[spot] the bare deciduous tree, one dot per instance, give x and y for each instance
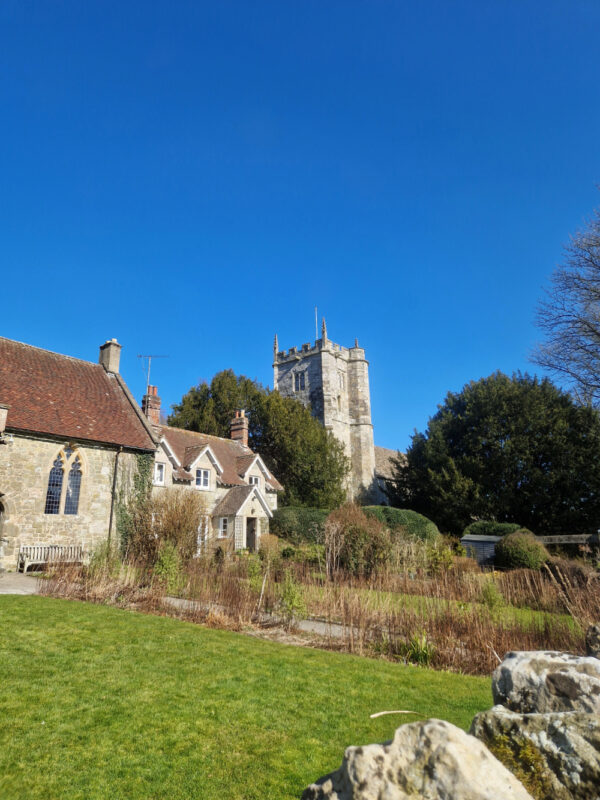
(569, 315)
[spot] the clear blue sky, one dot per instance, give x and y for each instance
(192, 177)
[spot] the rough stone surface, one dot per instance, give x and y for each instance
(335, 386)
(592, 641)
(560, 751)
(432, 760)
(547, 681)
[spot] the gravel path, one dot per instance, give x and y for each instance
(17, 583)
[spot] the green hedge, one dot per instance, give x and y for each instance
(489, 527)
(298, 524)
(413, 523)
(520, 549)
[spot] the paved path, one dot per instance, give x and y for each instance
(17, 583)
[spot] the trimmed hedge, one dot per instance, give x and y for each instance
(299, 524)
(413, 523)
(520, 549)
(489, 527)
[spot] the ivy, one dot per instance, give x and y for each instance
(133, 495)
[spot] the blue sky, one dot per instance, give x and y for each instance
(193, 177)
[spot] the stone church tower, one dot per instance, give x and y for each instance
(333, 381)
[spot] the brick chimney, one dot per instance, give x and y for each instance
(151, 405)
(110, 355)
(239, 428)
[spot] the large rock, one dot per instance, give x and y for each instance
(556, 755)
(592, 641)
(430, 760)
(547, 681)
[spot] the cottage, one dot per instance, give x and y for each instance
(70, 438)
(239, 490)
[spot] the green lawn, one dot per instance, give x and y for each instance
(377, 600)
(101, 703)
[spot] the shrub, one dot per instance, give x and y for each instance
(414, 524)
(489, 527)
(175, 515)
(521, 549)
(355, 542)
(491, 596)
(167, 567)
(298, 524)
(292, 600)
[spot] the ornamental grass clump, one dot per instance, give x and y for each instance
(521, 549)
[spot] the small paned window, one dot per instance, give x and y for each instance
(159, 474)
(55, 482)
(223, 527)
(254, 480)
(299, 381)
(73, 487)
(202, 479)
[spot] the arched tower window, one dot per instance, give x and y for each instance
(55, 482)
(63, 496)
(73, 487)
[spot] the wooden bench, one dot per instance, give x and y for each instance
(40, 554)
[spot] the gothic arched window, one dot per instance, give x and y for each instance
(55, 482)
(73, 487)
(63, 496)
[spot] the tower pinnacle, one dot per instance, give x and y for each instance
(323, 330)
(275, 346)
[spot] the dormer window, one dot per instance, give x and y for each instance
(203, 479)
(254, 480)
(159, 474)
(299, 381)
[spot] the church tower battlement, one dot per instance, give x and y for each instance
(333, 381)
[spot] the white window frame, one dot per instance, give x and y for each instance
(254, 480)
(159, 467)
(203, 474)
(223, 527)
(202, 535)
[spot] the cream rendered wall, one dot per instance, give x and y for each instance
(24, 469)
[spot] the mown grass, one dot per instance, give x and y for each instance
(97, 702)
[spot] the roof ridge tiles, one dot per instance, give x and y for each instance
(52, 352)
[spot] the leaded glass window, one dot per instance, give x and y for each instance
(55, 481)
(73, 487)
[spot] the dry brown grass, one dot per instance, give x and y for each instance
(446, 626)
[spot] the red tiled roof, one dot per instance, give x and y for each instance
(231, 454)
(62, 396)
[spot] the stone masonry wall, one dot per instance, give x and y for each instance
(24, 469)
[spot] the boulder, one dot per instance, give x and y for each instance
(556, 755)
(592, 641)
(430, 760)
(547, 681)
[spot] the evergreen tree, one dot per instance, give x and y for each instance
(306, 458)
(508, 449)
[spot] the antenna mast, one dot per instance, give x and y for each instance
(149, 357)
